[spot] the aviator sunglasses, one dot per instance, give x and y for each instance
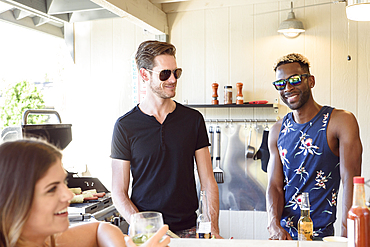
(166, 73)
(293, 80)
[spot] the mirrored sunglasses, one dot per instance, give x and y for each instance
(166, 73)
(293, 80)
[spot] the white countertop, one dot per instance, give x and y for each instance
(186, 242)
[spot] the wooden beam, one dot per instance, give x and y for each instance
(193, 5)
(141, 12)
(168, 1)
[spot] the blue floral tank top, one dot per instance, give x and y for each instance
(309, 166)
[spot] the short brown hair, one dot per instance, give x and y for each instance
(22, 164)
(148, 50)
(293, 58)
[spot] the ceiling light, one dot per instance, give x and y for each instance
(291, 27)
(358, 10)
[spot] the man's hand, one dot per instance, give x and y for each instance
(278, 233)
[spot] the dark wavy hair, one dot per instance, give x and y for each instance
(22, 164)
(148, 50)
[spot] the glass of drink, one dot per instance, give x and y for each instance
(144, 225)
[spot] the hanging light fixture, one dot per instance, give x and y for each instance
(358, 10)
(291, 27)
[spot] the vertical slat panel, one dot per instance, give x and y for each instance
(124, 50)
(241, 50)
(266, 42)
(217, 50)
(242, 224)
(260, 225)
(193, 50)
(363, 70)
(342, 73)
(176, 26)
(317, 50)
(224, 223)
(73, 98)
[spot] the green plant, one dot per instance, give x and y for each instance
(17, 99)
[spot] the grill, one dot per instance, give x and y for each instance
(60, 135)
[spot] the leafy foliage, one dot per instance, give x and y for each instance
(17, 99)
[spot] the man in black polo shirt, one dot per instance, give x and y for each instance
(158, 140)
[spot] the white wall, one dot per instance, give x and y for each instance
(228, 44)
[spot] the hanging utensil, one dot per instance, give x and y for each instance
(250, 150)
(266, 126)
(211, 133)
(217, 171)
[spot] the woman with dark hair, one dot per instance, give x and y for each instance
(35, 199)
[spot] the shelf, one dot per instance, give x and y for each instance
(229, 105)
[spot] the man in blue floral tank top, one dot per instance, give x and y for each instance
(312, 149)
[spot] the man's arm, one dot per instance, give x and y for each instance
(120, 185)
(208, 183)
(350, 157)
(275, 188)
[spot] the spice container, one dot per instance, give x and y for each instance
(228, 95)
(239, 96)
(214, 95)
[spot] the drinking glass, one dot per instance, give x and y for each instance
(144, 225)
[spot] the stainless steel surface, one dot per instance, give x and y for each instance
(103, 212)
(91, 207)
(79, 217)
(245, 183)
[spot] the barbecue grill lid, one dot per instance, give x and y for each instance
(59, 135)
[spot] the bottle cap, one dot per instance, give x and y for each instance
(358, 180)
(228, 86)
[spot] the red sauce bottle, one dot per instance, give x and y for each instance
(358, 219)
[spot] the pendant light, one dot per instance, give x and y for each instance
(291, 27)
(358, 10)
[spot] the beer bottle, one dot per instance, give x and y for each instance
(203, 220)
(305, 224)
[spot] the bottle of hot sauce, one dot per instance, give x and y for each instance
(358, 219)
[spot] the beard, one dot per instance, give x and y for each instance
(304, 96)
(161, 92)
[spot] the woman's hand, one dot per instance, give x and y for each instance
(155, 241)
